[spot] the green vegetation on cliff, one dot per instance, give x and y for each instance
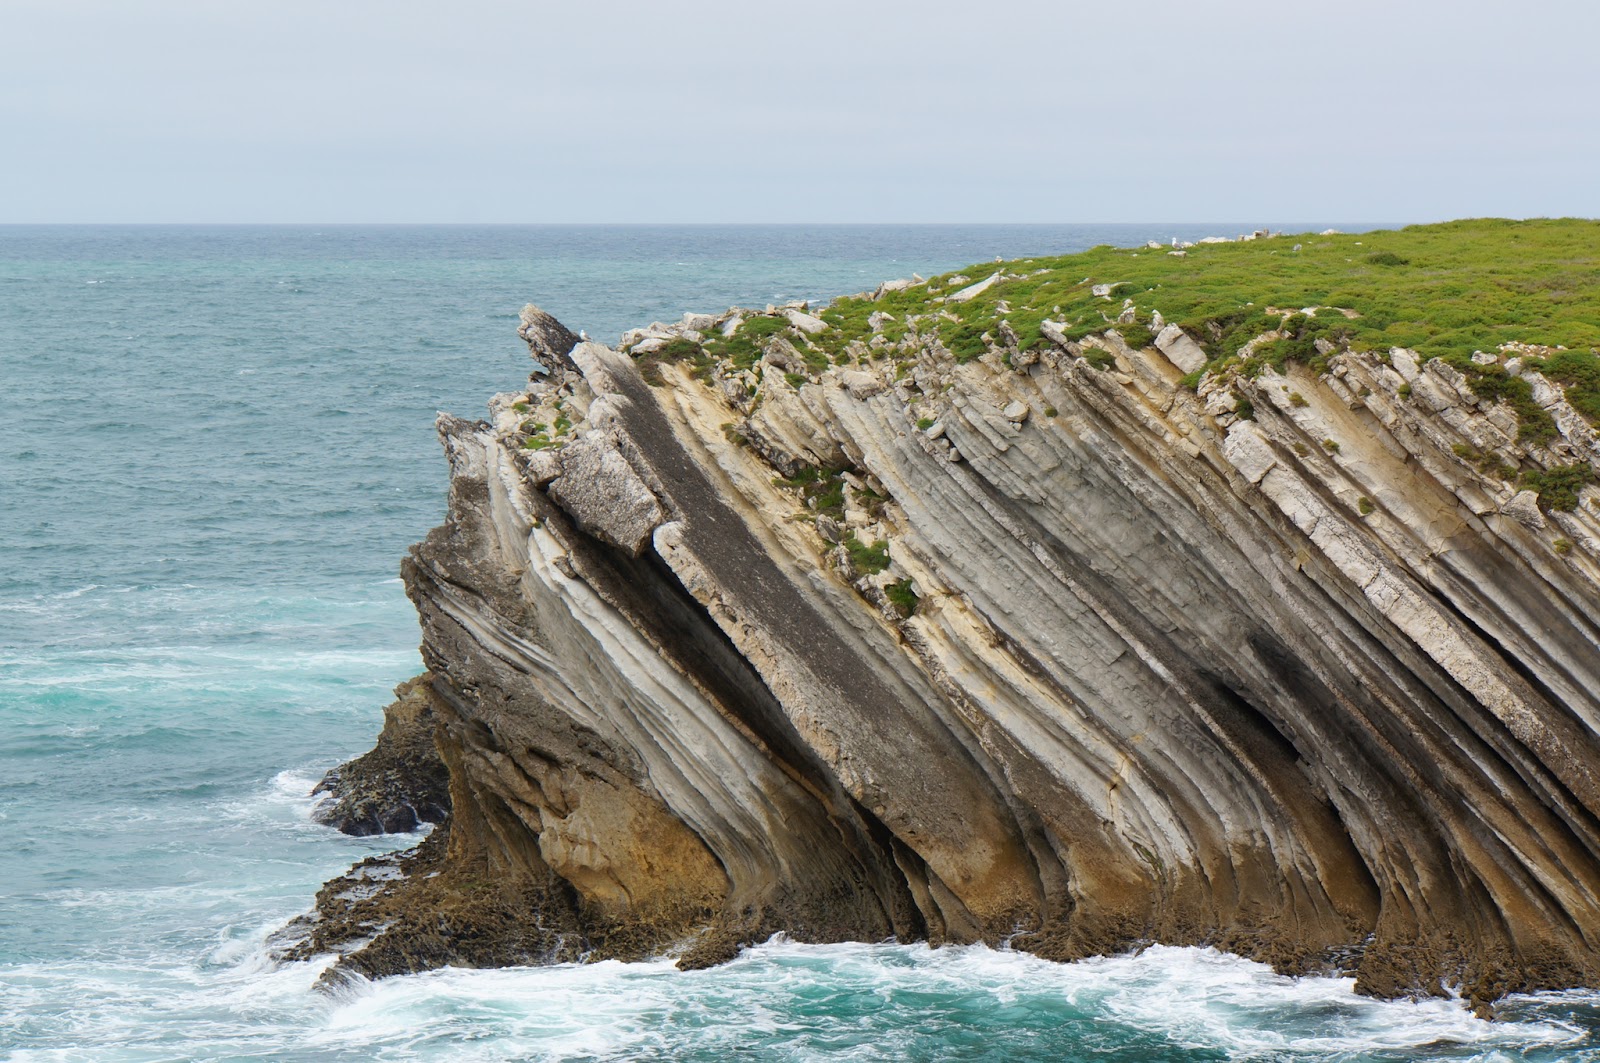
(1446, 291)
(1442, 290)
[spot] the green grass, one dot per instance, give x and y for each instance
(748, 343)
(1581, 375)
(902, 597)
(871, 559)
(821, 489)
(1136, 335)
(1444, 291)
(674, 351)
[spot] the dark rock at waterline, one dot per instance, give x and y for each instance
(397, 786)
(427, 912)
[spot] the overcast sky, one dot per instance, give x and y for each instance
(711, 111)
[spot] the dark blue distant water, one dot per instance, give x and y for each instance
(215, 445)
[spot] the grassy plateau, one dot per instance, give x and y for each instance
(1445, 291)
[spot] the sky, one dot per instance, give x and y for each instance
(326, 111)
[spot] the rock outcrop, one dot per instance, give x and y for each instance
(398, 786)
(1048, 650)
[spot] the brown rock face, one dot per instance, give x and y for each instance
(1096, 662)
(399, 785)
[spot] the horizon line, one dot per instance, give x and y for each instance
(726, 224)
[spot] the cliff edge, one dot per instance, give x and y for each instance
(969, 610)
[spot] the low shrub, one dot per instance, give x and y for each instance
(868, 559)
(902, 597)
(1559, 487)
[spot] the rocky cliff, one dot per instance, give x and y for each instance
(1050, 646)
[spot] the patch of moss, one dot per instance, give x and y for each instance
(1099, 357)
(822, 489)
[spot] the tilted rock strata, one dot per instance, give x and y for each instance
(1127, 666)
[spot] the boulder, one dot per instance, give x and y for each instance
(861, 385)
(599, 489)
(972, 291)
(1181, 349)
(1052, 331)
(541, 466)
(803, 321)
(1524, 509)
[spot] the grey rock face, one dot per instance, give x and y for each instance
(1310, 686)
(548, 339)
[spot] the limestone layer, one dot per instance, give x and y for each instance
(1030, 649)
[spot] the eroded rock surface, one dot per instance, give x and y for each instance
(1311, 686)
(398, 786)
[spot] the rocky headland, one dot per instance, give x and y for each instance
(1058, 604)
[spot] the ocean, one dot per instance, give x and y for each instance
(215, 445)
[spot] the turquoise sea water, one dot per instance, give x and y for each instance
(215, 445)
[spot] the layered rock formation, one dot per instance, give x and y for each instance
(1041, 648)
